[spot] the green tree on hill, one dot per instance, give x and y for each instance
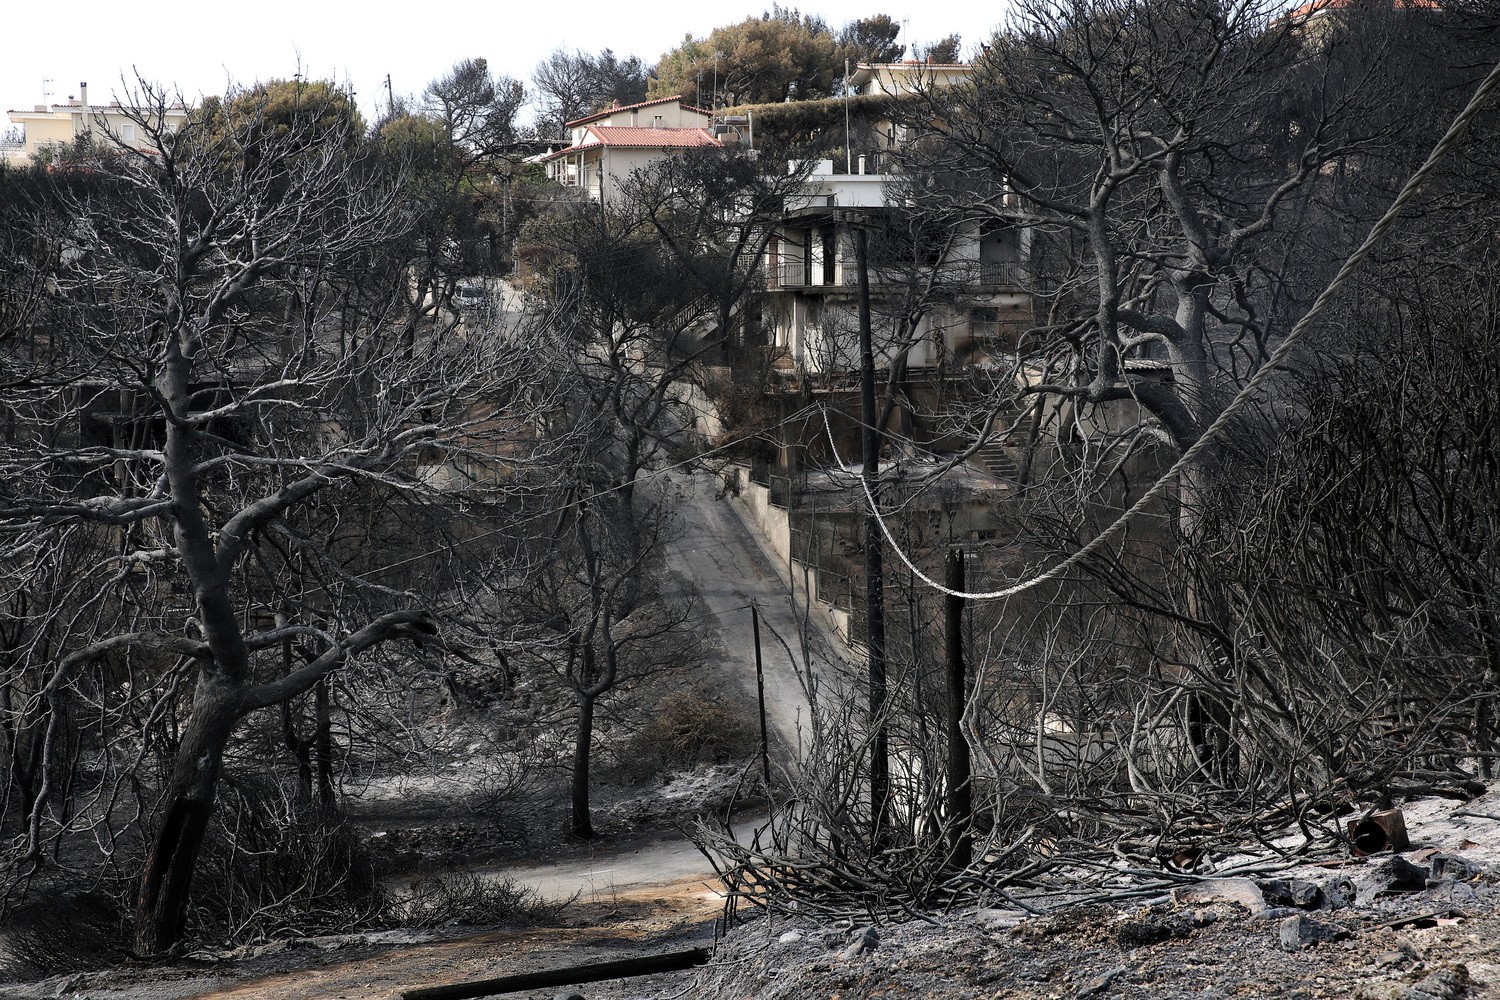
(781, 55)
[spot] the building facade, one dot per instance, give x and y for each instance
(610, 145)
(49, 128)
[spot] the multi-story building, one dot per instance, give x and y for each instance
(967, 287)
(946, 295)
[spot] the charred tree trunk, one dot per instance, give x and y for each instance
(960, 806)
(161, 904)
(300, 749)
(323, 740)
(583, 824)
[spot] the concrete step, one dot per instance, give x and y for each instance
(996, 460)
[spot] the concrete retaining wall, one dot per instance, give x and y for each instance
(775, 527)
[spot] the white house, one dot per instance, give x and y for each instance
(59, 125)
(608, 146)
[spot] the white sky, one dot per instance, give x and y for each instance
(199, 46)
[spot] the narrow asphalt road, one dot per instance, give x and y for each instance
(731, 567)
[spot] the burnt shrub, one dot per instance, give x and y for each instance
(688, 728)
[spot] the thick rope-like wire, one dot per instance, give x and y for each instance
(1377, 232)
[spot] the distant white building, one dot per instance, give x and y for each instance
(58, 125)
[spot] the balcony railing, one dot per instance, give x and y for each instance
(995, 274)
(793, 274)
(985, 274)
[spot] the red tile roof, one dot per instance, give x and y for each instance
(630, 107)
(628, 136)
(1319, 6)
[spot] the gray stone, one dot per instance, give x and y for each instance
(1100, 983)
(1445, 865)
(1298, 931)
(1224, 890)
(1291, 933)
(1294, 892)
(867, 941)
(1389, 876)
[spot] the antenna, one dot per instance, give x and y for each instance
(46, 90)
(848, 152)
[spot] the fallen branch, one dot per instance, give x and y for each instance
(649, 965)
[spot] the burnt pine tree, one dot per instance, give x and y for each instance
(220, 347)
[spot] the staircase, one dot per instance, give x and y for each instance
(994, 459)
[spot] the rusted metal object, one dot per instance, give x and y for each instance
(1382, 830)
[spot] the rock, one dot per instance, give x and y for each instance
(1294, 892)
(1291, 933)
(790, 937)
(998, 920)
(1242, 891)
(569, 995)
(1444, 866)
(1100, 983)
(1390, 875)
(1298, 931)
(867, 941)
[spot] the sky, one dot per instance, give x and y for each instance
(198, 47)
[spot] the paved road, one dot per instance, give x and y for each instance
(622, 868)
(731, 567)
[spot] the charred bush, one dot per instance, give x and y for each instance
(54, 933)
(688, 729)
(467, 898)
(271, 867)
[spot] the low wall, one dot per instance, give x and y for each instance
(775, 527)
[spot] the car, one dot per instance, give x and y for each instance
(469, 294)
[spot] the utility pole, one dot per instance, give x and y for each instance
(880, 764)
(760, 690)
(960, 806)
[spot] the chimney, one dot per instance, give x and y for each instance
(83, 93)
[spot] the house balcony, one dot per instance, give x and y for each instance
(975, 275)
(1009, 275)
(794, 275)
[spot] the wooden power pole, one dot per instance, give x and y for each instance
(960, 806)
(880, 765)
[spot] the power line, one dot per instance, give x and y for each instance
(1241, 398)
